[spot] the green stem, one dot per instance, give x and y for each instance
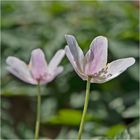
(85, 109)
(38, 113)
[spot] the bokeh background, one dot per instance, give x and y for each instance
(113, 106)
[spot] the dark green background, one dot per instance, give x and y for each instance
(113, 106)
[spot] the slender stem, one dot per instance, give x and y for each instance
(38, 113)
(85, 109)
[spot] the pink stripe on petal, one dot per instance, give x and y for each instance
(75, 66)
(52, 75)
(38, 64)
(76, 51)
(96, 57)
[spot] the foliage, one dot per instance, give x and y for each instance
(113, 106)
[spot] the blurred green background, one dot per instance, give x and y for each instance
(113, 106)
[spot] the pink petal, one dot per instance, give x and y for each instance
(96, 57)
(55, 61)
(53, 68)
(19, 69)
(76, 51)
(50, 76)
(74, 64)
(38, 64)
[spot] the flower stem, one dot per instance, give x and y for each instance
(85, 108)
(38, 113)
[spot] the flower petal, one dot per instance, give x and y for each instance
(55, 61)
(38, 64)
(19, 69)
(59, 70)
(75, 50)
(96, 57)
(74, 64)
(50, 76)
(97, 80)
(116, 67)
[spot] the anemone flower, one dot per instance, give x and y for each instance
(93, 66)
(38, 72)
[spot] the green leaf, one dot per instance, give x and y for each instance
(68, 117)
(116, 129)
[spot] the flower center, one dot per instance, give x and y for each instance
(102, 74)
(41, 77)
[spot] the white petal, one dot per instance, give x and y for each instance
(96, 57)
(72, 61)
(19, 69)
(55, 61)
(59, 70)
(99, 81)
(75, 50)
(116, 67)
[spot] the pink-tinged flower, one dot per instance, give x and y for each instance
(94, 63)
(38, 71)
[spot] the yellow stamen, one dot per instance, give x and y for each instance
(29, 66)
